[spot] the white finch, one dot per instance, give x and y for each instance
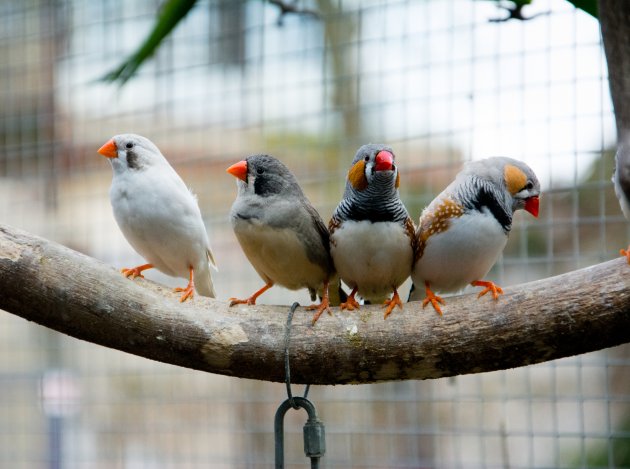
(158, 214)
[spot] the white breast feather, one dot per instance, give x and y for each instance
(161, 220)
(376, 257)
(465, 252)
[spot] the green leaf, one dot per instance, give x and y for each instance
(516, 3)
(173, 11)
(589, 6)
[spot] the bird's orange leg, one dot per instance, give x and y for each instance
(136, 271)
(252, 299)
(189, 291)
(489, 287)
(626, 253)
(392, 303)
(432, 298)
(351, 304)
(323, 306)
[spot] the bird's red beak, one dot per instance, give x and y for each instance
(239, 170)
(532, 204)
(109, 149)
(384, 161)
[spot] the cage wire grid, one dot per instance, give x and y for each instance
(434, 79)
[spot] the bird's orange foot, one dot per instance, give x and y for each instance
(247, 301)
(188, 292)
(392, 303)
(320, 308)
(626, 253)
(252, 299)
(489, 287)
(433, 299)
(136, 271)
(350, 304)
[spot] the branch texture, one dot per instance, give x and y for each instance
(52, 285)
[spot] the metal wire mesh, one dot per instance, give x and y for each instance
(436, 80)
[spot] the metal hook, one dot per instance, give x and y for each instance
(314, 431)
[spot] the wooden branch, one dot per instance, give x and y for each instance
(52, 285)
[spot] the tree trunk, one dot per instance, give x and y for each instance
(614, 18)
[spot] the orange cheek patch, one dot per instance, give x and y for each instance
(356, 176)
(397, 180)
(515, 179)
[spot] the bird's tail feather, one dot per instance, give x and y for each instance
(210, 257)
(336, 293)
(203, 283)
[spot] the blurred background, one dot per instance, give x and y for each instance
(439, 81)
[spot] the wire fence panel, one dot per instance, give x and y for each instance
(438, 81)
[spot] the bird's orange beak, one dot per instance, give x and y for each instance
(239, 170)
(532, 204)
(109, 149)
(384, 161)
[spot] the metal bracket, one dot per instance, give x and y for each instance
(314, 430)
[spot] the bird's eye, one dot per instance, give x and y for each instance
(529, 186)
(260, 170)
(129, 145)
(367, 158)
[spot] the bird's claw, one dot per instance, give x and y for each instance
(247, 301)
(350, 304)
(133, 272)
(489, 287)
(391, 304)
(252, 299)
(188, 292)
(433, 299)
(136, 271)
(323, 306)
(435, 302)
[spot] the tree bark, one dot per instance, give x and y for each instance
(614, 17)
(64, 290)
